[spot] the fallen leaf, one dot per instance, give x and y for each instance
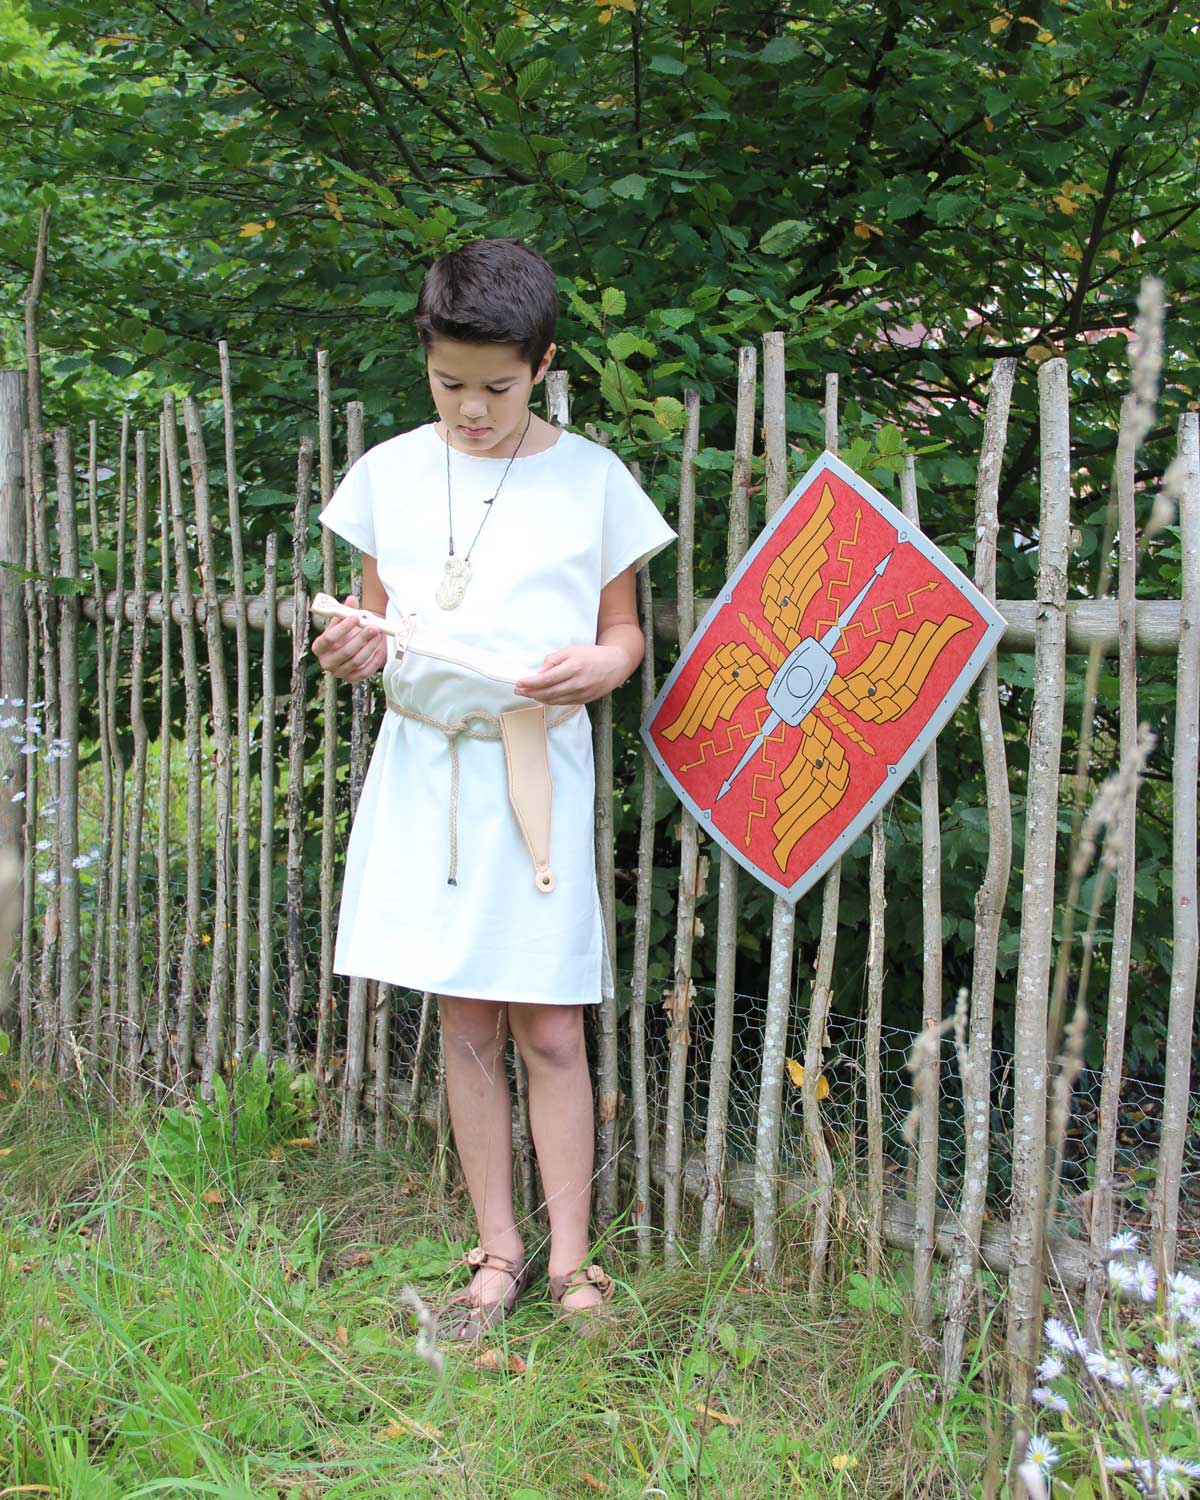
(711, 1414)
(842, 1461)
(342, 1335)
(301, 1140)
(214, 1195)
(496, 1359)
(589, 1480)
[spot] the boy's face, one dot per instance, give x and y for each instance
(482, 393)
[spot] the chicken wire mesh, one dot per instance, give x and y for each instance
(843, 1109)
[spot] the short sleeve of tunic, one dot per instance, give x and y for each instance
(634, 531)
(349, 511)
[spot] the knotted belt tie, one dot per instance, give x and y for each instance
(494, 730)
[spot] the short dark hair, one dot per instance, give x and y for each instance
(490, 292)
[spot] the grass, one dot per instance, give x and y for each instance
(187, 1312)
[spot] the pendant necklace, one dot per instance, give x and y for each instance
(456, 573)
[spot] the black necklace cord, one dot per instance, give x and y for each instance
(488, 502)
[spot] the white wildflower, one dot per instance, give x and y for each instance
(1146, 1281)
(1185, 1288)
(28, 749)
(47, 877)
(17, 797)
(1122, 1277)
(1041, 1452)
(81, 862)
(1050, 1368)
(20, 703)
(42, 845)
(1051, 1400)
(1064, 1338)
(9, 723)
(1168, 1351)
(1114, 1464)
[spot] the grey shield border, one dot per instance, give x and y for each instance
(908, 534)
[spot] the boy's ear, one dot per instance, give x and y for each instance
(547, 360)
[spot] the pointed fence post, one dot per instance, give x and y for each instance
(682, 987)
(989, 900)
(783, 912)
(1176, 1097)
(721, 1051)
(1030, 1061)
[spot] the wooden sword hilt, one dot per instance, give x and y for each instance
(325, 607)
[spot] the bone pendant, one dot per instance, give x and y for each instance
(455, 577)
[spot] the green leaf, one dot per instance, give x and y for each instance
(677, 317)
(4, 1043)
(568, 166)
(104, 560)
(782, 238)
(623, 345)
(261, 499)
(70, 587)
(666, 62)
(585, 310)
(533, 77)
(612, 302)
(509, 146)
(620, 386)
(402, 302)
(782, 49)
(312, 564)
(633, 186)
(509, 40)
(589, 358)
(670, 412)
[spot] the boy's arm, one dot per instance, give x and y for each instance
(580, 674)
(348, 649)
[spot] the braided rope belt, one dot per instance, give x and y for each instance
(462, 728)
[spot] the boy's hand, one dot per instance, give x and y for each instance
(576, 674)
(349, 649)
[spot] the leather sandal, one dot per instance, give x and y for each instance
(584, 1320)
(480, 1316)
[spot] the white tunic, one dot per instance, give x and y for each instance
(566, 522)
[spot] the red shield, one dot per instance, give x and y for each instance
(821, 674)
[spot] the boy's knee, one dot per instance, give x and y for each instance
(474, 1026)
(551, 1035)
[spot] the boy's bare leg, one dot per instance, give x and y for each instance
(560, 1118)
(476, 1035)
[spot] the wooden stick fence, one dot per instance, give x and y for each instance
(126, 1012)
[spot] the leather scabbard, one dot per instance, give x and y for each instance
(530, 785)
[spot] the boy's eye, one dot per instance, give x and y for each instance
(494, 390)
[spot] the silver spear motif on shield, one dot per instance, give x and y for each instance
(804, 675)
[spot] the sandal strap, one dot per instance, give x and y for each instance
(477, 1257)
(592, 1275)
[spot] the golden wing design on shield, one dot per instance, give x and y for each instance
(795, 575)
(887, 684)
(732, 671)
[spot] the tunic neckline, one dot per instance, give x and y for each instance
(520, 458)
